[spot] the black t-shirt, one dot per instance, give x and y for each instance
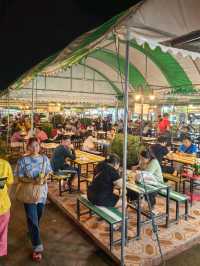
(100, 192)
(159, 151)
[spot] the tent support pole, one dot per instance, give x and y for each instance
(124, 212)
(142, 113)
(32, 110)
(117, 111)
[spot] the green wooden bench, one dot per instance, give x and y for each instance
(178, 180)
(111, 215)
(178, 198)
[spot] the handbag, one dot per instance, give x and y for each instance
(29, 190)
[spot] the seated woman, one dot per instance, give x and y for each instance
(89, 143)
(148, 164)
(57, 133)
(16, 137)
(111, 134)
(106, 176)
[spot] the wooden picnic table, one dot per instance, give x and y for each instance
(182, 158)
(142, 190)
(49, 146)
(85, 159)
(149, 138)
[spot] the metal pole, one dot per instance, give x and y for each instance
(124, 214)
(32, 111)
(116, 111)
(142, 112)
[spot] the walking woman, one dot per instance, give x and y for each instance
(6, 179)
(32, 172)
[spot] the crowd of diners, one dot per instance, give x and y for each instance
(35, 167)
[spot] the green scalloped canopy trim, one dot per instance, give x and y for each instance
(109, 58)
(171, 69)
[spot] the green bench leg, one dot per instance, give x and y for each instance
(111, 236)
(138, 218)
(126, 231)
(177, 211)
(184, 186)
(191, 191)
(186, 210)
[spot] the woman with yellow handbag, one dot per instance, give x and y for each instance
(32, 172)
(6, 179)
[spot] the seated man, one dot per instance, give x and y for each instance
(89, 143)
(184, 132)
(63, 152)
(188, 147)
(161, 150)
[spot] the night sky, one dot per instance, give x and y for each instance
(31, 30)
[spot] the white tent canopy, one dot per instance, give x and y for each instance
(160, 21)
(151, 24)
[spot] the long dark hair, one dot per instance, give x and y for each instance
(148, 154)
(113, 159)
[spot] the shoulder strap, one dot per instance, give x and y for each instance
(26, 170)
(43, 165)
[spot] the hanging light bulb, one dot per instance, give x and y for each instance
(152, 97)
(137, 97)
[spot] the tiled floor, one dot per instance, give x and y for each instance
(64, 244)
(174, 240)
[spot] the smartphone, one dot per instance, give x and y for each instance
(3, 182)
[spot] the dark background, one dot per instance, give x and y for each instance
(31, 30)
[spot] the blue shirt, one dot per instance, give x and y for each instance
(33, 166)
(189, 150)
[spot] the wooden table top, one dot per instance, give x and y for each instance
(49, 145)
(182, 158)
(149, 138)
(102, 141)
(83, 157)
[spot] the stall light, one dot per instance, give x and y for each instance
(137, 97)
(152, 97)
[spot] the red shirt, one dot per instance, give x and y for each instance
(164, 125)
(54, 132)
(41, 136)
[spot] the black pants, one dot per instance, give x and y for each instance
(131, 195)
(167, 169)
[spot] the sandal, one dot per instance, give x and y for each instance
(37, 256)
